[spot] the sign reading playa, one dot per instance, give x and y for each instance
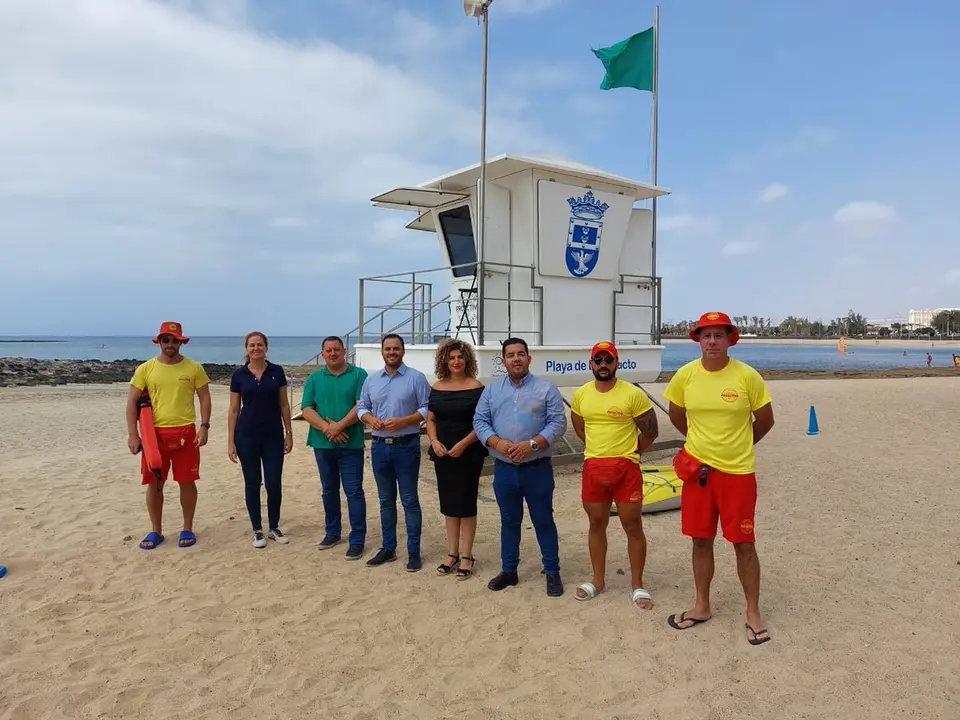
(583, 234)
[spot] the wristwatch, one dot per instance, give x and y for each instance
(205, 425)
(533, 445)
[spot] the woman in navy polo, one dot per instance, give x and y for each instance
(260, 432)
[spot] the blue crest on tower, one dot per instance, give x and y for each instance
(583, 234)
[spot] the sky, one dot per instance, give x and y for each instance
(212, 161)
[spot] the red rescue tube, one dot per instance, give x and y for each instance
(148, 436)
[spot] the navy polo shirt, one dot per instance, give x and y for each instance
(259, 399)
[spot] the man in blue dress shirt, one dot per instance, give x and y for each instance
(520, 417)
(393, 403)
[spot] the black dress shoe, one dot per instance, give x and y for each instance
(503, 580)
(383, 555)
(413, 562)
(554, 585)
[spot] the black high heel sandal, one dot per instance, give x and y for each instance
(464, 573)
(447, 569)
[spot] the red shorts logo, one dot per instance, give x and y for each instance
(746, 527)
(730, 395)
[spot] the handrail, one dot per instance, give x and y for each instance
(418, 305)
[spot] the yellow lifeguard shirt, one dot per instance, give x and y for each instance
(720, 409)
(171, 389)
(608, 419)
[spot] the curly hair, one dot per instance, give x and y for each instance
(447, 346)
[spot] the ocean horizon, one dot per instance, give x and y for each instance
(297, 350)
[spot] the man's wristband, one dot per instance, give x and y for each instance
(205, 425)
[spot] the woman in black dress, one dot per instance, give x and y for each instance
(456, 452)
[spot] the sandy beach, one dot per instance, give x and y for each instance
(857, 536)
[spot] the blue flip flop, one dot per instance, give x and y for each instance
(187, 538)
(3, 570)
(153, 538)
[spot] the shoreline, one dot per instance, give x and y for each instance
(25, 372)
(896, 343)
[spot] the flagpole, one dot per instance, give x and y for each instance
(656, 73)
(482, 194)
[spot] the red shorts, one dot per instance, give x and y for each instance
(176, 450)
(611, 480)
(731, 499)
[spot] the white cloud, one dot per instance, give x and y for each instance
(772, 192)
(807, 138)
(130, 125)
(865, 216)
(741, 247)
(288, 222)
(685, 223)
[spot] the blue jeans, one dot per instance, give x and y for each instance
(512, 485)
(398, 467)
(256, 451)
(344, 466)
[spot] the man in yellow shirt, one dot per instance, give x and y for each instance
(607, 414)
(723, 408)
(170, 380)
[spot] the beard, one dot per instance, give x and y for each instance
(604, 374)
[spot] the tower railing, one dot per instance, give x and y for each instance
(421, 319)
(646, 283)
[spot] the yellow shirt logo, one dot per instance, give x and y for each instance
(730, 395)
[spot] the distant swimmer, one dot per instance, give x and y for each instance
(929, 360)
(723, 408)
(171, 380)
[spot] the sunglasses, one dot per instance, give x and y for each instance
(167, 340)
(604, 360)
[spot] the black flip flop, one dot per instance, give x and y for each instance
(756, 640)
(673, 621)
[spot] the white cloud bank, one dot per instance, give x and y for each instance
(741, 247)
(773, 192)
(864, 214)
(134, 131)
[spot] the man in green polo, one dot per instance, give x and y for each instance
(329, 405)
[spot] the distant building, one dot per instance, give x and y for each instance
(924, 318)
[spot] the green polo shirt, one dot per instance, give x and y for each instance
(333, 396)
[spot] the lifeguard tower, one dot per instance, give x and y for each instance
(561, 258)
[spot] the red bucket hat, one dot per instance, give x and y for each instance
(716, 319)
(605, 346)
(174, 329)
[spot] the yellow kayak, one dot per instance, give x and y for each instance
(661, 488)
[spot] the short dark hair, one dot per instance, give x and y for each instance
(392, 336)
(330, 338)
(513, 341)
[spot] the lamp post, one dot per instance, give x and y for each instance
(480, 9)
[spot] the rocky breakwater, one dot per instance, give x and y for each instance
(16, 372)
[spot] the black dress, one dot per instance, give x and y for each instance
(458, 479)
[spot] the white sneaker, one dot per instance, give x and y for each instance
(275, 534)
(259, 541)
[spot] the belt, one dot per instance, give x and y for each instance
(401, 440)
(540, 460)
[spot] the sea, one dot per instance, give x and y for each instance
(298, 350)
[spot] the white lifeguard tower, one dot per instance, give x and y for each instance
(565, 261)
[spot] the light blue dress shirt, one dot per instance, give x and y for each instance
(517, 413)
(387, 396)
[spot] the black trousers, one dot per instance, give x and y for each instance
(261, 457)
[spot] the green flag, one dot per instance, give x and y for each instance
(629, 63)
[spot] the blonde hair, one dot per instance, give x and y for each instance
(440, 367)
(246, 339)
